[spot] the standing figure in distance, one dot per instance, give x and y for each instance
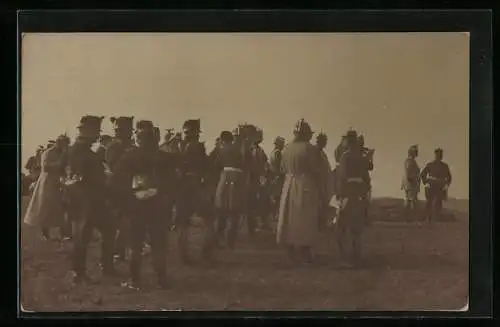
(411, 180)
(86, 188)
(353, 183)
(122, 141)
(327, 187)
(144, 180)
(277, 175)
(45, 208)
(368, 155)
(230, 194)
(300, 199)
(258, 203)
(436, 177)
(192, 169)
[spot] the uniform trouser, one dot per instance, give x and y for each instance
(85, 220)
(434, 200)
(65, 228)
(121, 233)
(223, 217)
(187, 202)
(148, 219)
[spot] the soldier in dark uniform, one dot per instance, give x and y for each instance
(192, 169)
(122, 141)
(230, 195)
(277, 174)
(326, 187)
(259, 196)
(144, 180)
(436, 177)
(368, 155)
(85, 186)
(353, 182)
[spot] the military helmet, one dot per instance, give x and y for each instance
(122, 123)
(192, 125)
(279, 140)
(351, 133)
(91, 123)
(438, 150)
(226, 136)
(302, 127)
(144, 126)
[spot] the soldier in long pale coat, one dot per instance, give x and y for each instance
(45, 208)
(300, 199)
(411, 179)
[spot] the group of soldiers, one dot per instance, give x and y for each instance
(134, 188)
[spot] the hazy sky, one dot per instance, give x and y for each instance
(397, 89)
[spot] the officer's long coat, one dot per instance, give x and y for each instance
(45, 208)
(300, 198)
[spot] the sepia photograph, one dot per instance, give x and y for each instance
(244, 171)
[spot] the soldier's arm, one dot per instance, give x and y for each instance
(423, 174)
(448, 175)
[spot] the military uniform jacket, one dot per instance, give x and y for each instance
(115, 150)
(436, 174)
(158, 166)
(192, 158)
(352, 177)
(87, 164)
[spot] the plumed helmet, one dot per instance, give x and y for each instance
(302, 127)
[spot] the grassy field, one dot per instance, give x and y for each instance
(406, 266)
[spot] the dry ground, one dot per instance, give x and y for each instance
(407, 267)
